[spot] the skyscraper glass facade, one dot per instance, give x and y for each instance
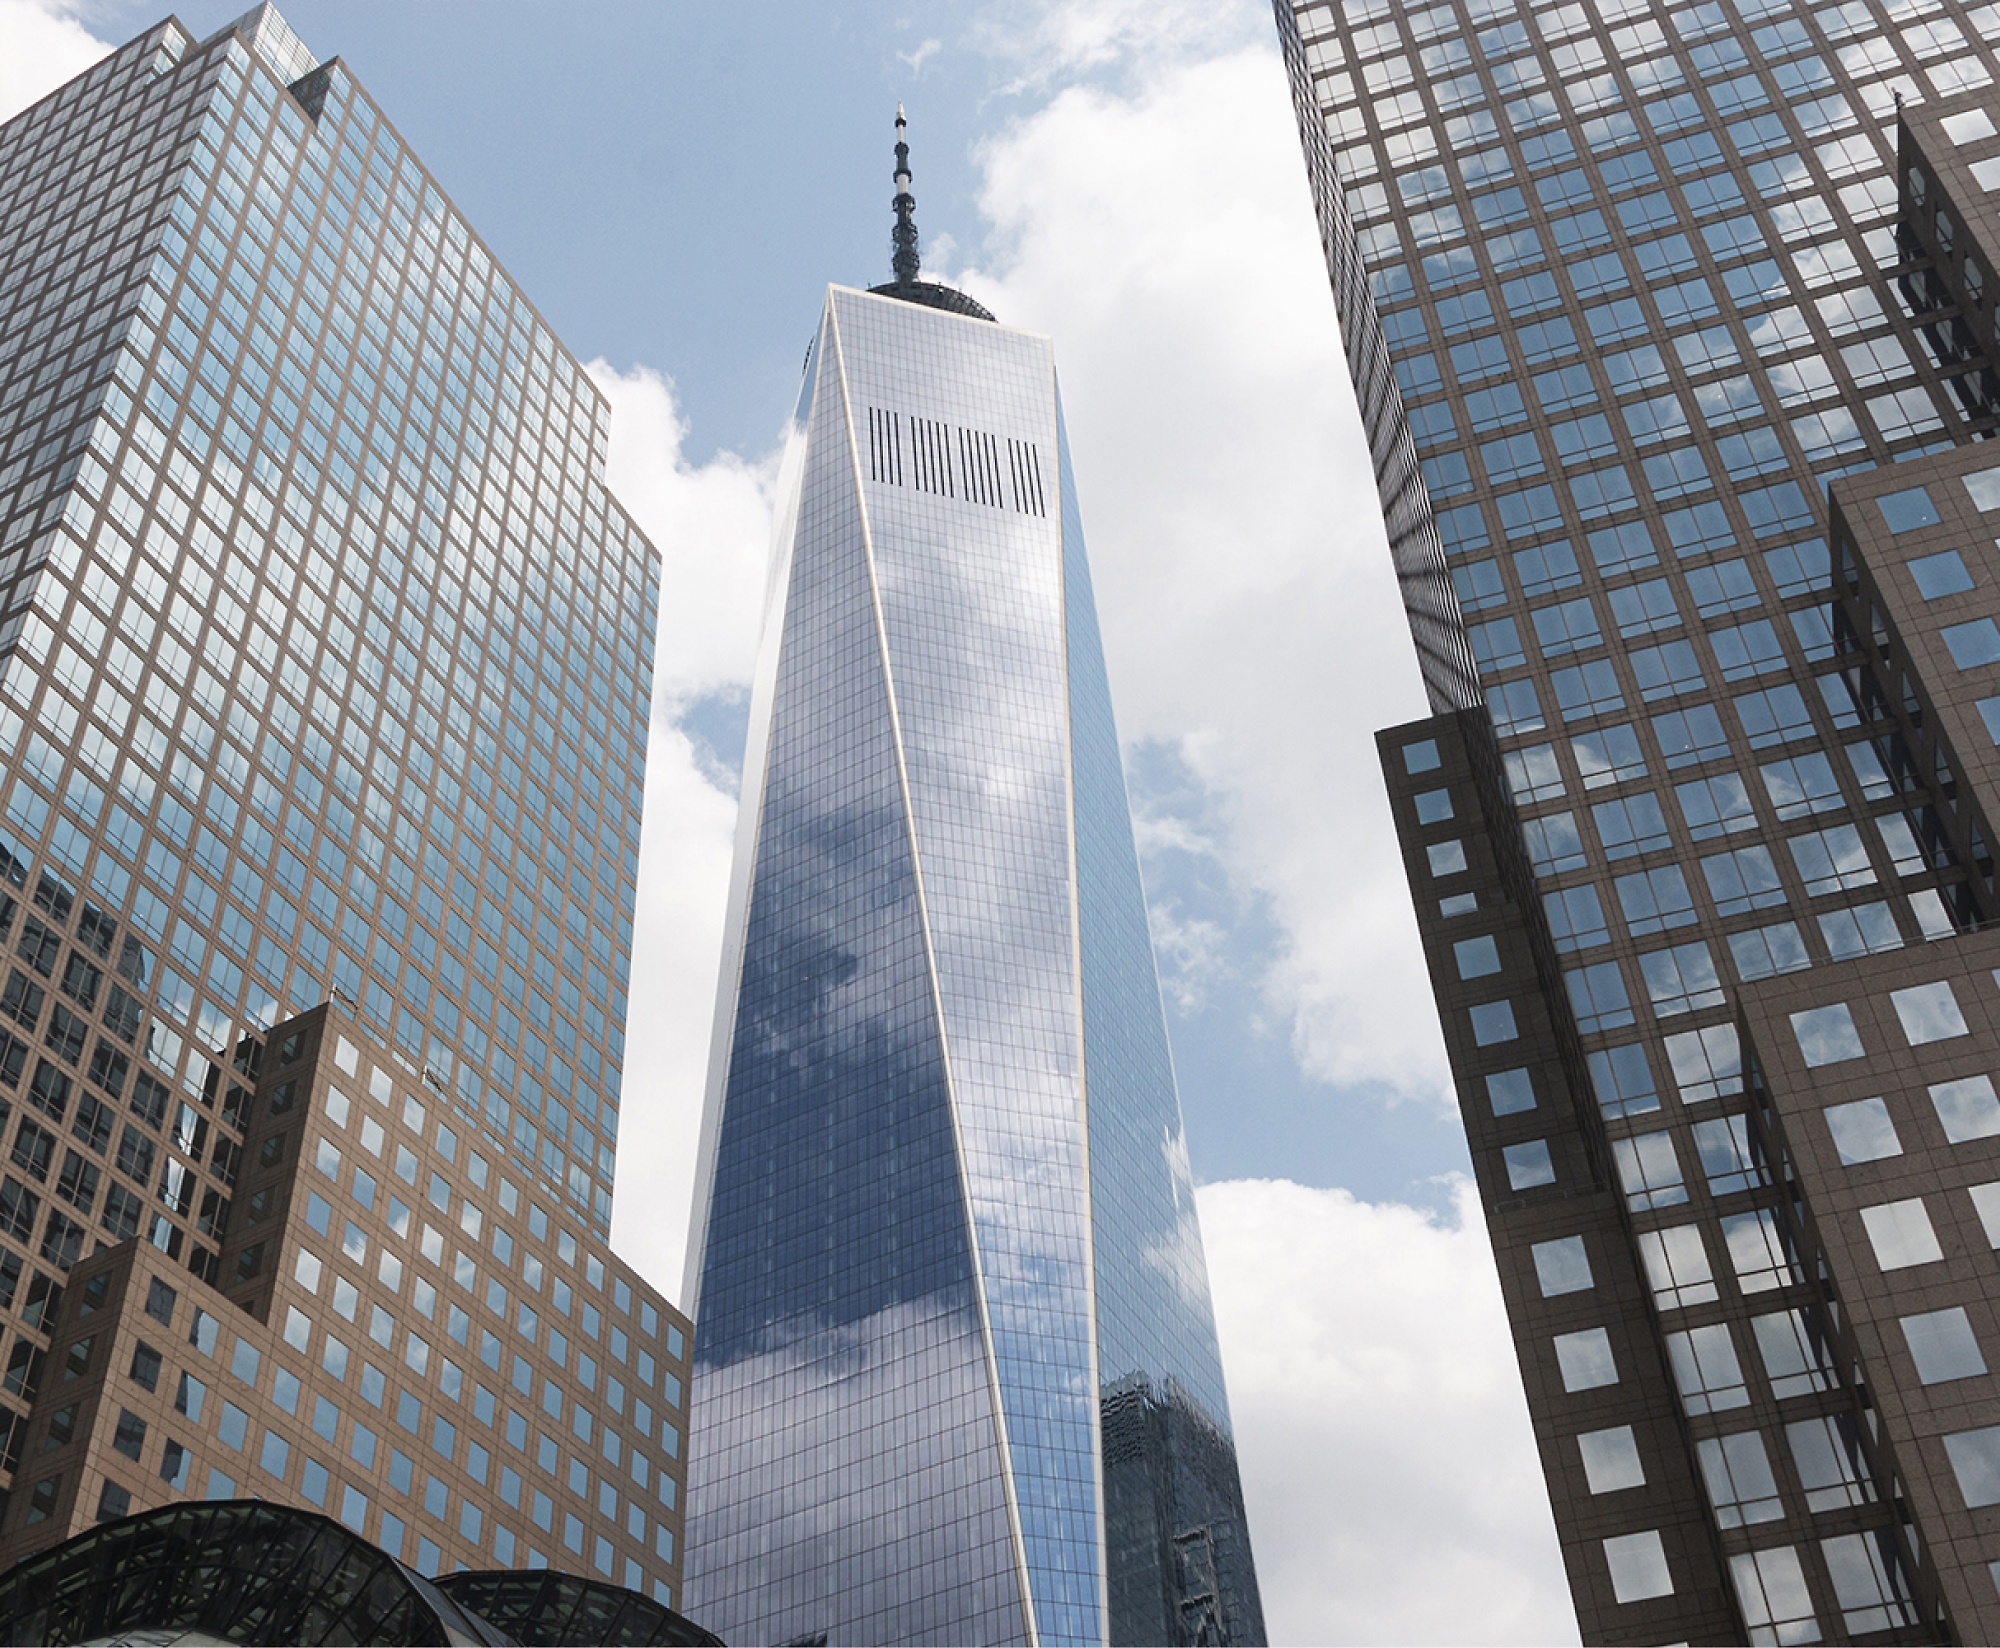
(315, 612)
(954, 1322)
(1622, 291)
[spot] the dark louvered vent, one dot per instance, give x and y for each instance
(952, 461)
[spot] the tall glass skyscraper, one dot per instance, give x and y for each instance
(324, 664)
(956, 1376)
(1624, 287)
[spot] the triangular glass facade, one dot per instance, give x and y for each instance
(956, 1376)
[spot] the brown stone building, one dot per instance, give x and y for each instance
(1672, 327)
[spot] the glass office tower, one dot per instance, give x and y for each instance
(1624, 286)
(956, 1376)
(324, 665)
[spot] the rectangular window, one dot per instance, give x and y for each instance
(1654, 900)
(1796, 1358)
(1737, 1472)
(1759, 1250)
(1707, 1064)
(1622, 1081)
(1666, 671)
(1554, 846)
(1690, 736)
(1649, 1171)
(1631, 825)
(1706, 1370)
(1576, 919)
(1677, 1267)
(1681, 980)
(1597, 994)
(1729, 1157)
(1716, 805)
(1611, 755)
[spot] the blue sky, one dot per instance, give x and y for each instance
(674, 184)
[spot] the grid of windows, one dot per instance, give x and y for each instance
(314, 612)
(1639, 295)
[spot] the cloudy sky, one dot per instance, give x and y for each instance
(674, 184)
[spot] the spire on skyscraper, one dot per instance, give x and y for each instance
(904, 261)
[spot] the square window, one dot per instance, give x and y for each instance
(1611, 1459)
(1493, 1022)
(1681, 979)
(1433, 806)
(1528, 1165)
(1576, 919)
(1743, 880)
(1940, 574)
(1929, 1012)
(1986, 1203)
(1967, 1109)
(1421, 757)
(1943, 1346)
(1533, 774)
(1631, 825)
(1862, 1131)
(1729, 1158)
(1459, 904)
(1975, 1461)
(1510, 1092)
(1638, 1566)
(1611, 755)
(1907, 510)
(1585, 1360)
(1826, 1035)
(1476, 957)
(1598, 997)
(1554, 846)
(1901, 1234)
(1446, 857)
(1562, 1266)
(1764, 952)
(1972, 645)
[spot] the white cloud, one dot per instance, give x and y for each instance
(1163, 235)
(712, 525)
(41, 47)
(922, 55)
(1392, 1481)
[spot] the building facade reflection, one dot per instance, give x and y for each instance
(949, 1250)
